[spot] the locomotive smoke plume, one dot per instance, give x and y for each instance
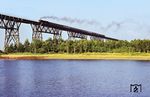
(113, 25)
(72, 20)
(120, 25)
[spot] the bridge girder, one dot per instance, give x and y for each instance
(11, 31)
(73, 35)
(39, 29)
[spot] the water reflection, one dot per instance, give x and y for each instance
(26, 76)
(11, 79)
(72, 78)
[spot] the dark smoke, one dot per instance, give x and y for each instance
(117, 25)
(71, 20)
(120, 25)
(113, 25)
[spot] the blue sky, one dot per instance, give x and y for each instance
(133, 15)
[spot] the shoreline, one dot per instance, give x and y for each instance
(84, 56)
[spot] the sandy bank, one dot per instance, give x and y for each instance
(100, 56)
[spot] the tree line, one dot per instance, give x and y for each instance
(80, 46)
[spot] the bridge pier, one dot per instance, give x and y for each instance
(56, 33)
(11, 31)
(95, 38)
(73, 35)
(37, 32)
(39, 29)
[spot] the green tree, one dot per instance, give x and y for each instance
(36, 45)
(10, 49)
(27, 46)
(20, 48)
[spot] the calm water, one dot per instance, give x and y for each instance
(73, 78)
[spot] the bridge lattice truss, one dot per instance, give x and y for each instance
(12, 24)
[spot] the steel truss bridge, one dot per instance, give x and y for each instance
(12, 24)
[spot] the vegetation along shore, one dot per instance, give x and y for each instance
(79, 49)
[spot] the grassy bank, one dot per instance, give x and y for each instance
(105, 56)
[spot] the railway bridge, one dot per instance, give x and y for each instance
(11, 24)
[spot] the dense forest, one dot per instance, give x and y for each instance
(80, 46)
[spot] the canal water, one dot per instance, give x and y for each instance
(74, 78)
